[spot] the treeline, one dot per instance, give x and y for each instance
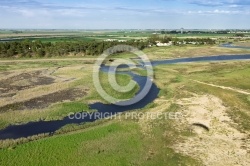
(178, 41)
(37, 48)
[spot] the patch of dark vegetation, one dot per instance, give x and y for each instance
(60, 96)
(23, 81)
(46, 100)
(15, 106)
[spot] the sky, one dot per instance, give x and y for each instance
(124, 14)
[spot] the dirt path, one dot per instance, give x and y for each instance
(224, 87)
(216, 142)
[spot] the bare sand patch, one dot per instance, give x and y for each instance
(222, 144)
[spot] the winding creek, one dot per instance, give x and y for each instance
(40, 127)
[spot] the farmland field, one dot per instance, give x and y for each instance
(67, 35)
(98, 35)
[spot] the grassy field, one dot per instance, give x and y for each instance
(190, 51)
(115, 143)
(171, 52)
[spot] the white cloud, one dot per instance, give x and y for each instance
(217, 11)
(238, 3)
